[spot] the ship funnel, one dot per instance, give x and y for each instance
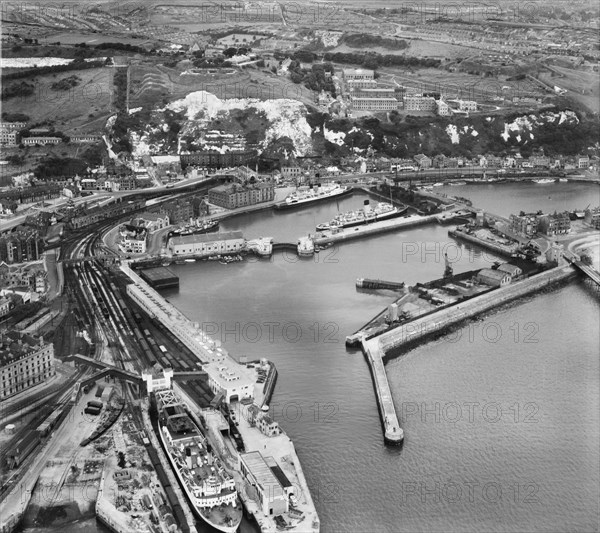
(188, 458)
(366, 202)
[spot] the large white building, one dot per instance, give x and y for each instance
(374, 104)
(30, 141)
(267, 483)
(207, 244)
(443, 109)
(418, 102)
(7, 137)
(25, 361)
(358, 74)
(361, 84)
(467, 105)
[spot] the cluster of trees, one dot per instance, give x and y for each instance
(121, 46)
(120, 83)
(14, 117)
(241, 51)
(426, 135)
(53, 167)
(18, 89)
(211, 62)
(76, 64)
(66, 83)
(366, 40)
(318, 78)
(373, 61)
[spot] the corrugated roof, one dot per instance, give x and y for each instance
(207, 237)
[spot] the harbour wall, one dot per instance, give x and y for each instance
(378, 349)
(419, 329)
(393, 433)
(375, 228)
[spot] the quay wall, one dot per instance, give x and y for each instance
(417, 330)
(377, 349)
(496, 248)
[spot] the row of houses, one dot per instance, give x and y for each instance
(31, 276)
(530, 224)
(509, 161)
(10, 135)
(21, 246)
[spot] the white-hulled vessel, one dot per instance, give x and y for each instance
(308, 195)
(209, 487)
(382, 211)
(544, 180)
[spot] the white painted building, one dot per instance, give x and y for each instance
(267, 488)
(208, 244)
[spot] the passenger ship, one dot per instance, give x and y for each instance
(382, 211)
(209, 487)
(313, 194)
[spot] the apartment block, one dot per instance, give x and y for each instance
(25, 361)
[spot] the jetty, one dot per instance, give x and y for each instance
(382, 226)
(364, 283)
(376, 348)
(393, 433)
(502, 247)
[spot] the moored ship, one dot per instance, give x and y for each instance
(209, 487)
(366, 215)
(196, 227)
(313, 194)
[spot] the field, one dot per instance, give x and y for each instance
(151, 83)
(91, 39)
(417, 48)
(69, 110)
(582, 85)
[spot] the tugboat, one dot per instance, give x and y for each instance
(209, 487)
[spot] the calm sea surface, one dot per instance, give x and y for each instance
(501, 418)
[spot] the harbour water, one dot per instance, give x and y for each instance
(501, 417)
(506, 198)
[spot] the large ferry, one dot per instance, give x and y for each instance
(310, 194)
(382, 211)
(209, 487)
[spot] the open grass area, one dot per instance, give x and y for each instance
(82, 109)
(151, 84)
(582, 85)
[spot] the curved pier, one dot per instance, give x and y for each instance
(393, 433)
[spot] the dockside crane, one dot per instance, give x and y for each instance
(448, 271)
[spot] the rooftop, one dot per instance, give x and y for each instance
(261, 471)
(493, 274)
(14, 345)
(207, 237)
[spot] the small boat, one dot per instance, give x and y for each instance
(190, 260)
(544, 181)
(563, 180)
